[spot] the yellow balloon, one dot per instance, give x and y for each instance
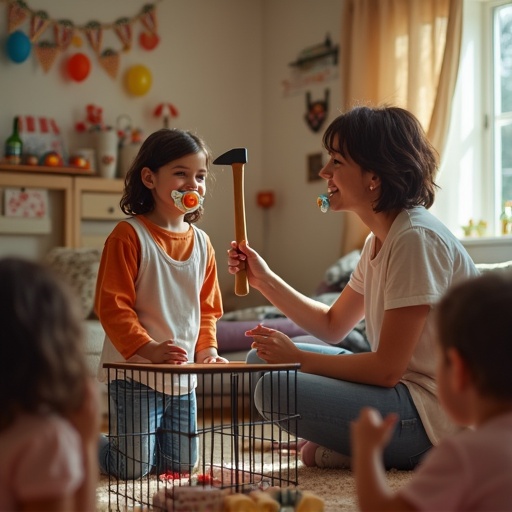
(138, 80)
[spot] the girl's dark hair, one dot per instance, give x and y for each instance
(390, 142)
(43, 363)
(474, 318)
(160, 148)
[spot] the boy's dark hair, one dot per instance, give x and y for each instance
(44, 368)
(474, 317)
(390, 142)
(160, 148)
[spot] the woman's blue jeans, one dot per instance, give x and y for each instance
(152, 431)
(327, 406)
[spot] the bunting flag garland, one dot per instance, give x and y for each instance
(94, 34)
(38, 24)
(148, 18)
(109, 61)
(18, 13)
(123, 29)
(65, 33)
(46, 54)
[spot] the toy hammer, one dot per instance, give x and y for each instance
(237, 158)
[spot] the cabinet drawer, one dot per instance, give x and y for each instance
(101, 206)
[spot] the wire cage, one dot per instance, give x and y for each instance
(196, 426)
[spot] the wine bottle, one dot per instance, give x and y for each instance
(14, 145)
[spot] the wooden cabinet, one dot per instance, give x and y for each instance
(97, 200)
(84, 199)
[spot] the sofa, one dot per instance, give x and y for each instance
(80, 267)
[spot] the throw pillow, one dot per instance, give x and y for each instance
(79, 267)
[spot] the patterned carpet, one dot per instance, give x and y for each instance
(335, 487)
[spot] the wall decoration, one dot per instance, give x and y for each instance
(40, 134)
(26, 202)
(315, 64)
(138, 80)
(46, 54)
(78, 67)
(109, 61)
(65, 32)
(316, 111)
(167, 111)
(148, 41)
(18, 47)
(314, 165)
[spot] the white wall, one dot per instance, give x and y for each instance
(302, 240)
(208, 64)
(221, 63)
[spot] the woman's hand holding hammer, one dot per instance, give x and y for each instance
(242, 257)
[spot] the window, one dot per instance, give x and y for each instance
(502, 106)
(476, 168)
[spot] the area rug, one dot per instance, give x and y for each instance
(335, 486)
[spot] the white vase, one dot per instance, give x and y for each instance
(106, 153)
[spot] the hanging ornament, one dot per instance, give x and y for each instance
(148, 40)
(123, 29)
(38, 24)
(63, 31)
(77, 41)
(138, 80)
(166, 111)
(18, 46)
(17, 14)
(94, 34)
(109, 61)
(46, 54)
(78, 67)
(148, 18)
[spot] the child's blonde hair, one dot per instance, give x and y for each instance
(43, 364)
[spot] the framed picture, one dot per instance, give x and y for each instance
(314, 164)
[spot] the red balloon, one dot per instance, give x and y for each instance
(78, 67)
(148, 41)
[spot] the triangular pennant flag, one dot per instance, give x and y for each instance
(123, 29)
(64, 31)
(94, 34)
(38, 25)
(148, 18)
(109, 61)
(18, 13)
(46, 53)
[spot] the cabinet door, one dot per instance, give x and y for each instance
(101, 206)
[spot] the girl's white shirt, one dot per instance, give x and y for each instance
(168, 306)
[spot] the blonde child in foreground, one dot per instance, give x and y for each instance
(473, 469)
(49, 414)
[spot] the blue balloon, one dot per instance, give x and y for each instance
(18, 46)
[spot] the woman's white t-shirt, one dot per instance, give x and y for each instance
(417, 263)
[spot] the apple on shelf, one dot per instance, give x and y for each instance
(51, 159)
(78, 161)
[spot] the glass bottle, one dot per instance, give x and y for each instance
(13, 145)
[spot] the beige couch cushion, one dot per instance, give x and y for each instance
(79, 267)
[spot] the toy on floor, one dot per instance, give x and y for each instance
(188, 201)
(323, 202)
(213, 499)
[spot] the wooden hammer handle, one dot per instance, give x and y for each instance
(241, 282)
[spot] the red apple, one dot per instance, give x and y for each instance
(78, 161)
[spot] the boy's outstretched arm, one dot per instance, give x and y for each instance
(370, 434)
